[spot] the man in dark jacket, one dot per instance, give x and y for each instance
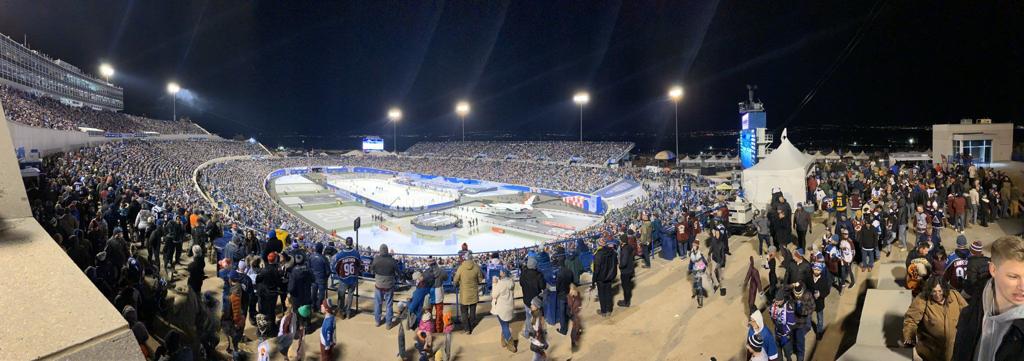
(802, 221)
(563, 280)
(195, 272)
(605, 269)
(532, 283)
(804, 307)
(977, 274)
(821, 286)
(627, 269)
(717, 247)
(267, 285)
(780, 228)
(300, 283)
(321, 269)
(868, 239)
(991, 327)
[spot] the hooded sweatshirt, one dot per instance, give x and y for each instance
(994, 327)
(770, 348)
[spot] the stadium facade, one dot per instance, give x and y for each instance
(29, 70)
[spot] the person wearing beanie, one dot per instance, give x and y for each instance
(385, 270)
(756, 327)
(803, 307)
(300, 287)
(537, 333)
(821, 286)
(532, 283)
(421, 289)
(784, 317)
(977, 275)
(347, 267)
(327, 341)
(435, 277)
(467, 279)
(503, 306)
(605, 271)
(755, 346)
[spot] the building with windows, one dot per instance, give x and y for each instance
(983, 141)
(32, 71)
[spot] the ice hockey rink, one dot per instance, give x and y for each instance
(490, 233)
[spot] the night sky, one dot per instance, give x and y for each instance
(277, 69)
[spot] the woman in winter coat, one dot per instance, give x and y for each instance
(467, 278)
(502, 306)
(932, 320)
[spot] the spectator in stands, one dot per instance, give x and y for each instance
(468, 278)
(502, 306)
(605, 267)
(347, 266)
(384, 270)
(532, 283)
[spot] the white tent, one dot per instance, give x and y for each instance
(784, 169)
(831, 156)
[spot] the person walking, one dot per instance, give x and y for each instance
(802, 221)
(538, 335)
(756, 327)
(627, 269)
(752, 282)
(991, 327)
(468, 278)
(605, 272)
(821, 286)
(931, 320)
(384, 270)
(502, 306)
(763, 231)
(784, 317)
(717, 260)
(803, 307)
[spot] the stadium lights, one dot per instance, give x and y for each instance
(173, 89)
(462, 109)
(676, 94)
(106, 71)
(911, 141)
(395, 114)
(581, 98)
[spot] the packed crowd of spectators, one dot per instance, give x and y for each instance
(46, 112)
(587, 152)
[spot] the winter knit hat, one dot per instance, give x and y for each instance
(819, 266)
(977, 247)
(305, 311)
(961, 241)
(755, 342)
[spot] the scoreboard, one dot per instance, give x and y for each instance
(373, 144)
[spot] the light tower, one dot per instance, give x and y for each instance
(462, 109)
(395, 114)
(581, 98)
(173, 89)
(676, 94)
